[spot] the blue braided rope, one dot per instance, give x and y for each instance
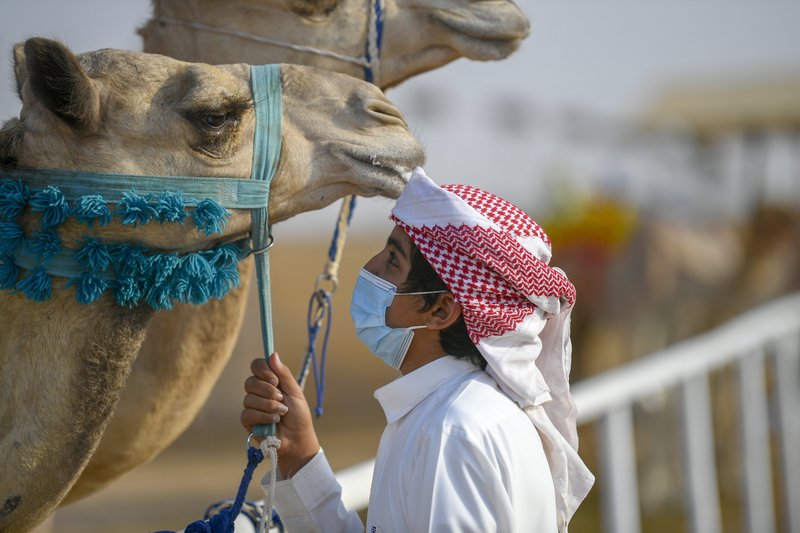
(368, 74)
(333, 249)
(313, 330)
(223, 521)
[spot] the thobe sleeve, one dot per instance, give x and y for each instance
(311, 500)
(457, 486)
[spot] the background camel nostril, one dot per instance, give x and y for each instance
(385, 112)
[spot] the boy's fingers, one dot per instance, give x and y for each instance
(251, 401)
(287, 381)
(256, 386)
(260, 368)
(254, 417)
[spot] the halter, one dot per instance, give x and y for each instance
(136, 274)
(370, 60)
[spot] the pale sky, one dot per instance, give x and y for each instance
(609, 57)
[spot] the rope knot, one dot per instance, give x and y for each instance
(270, 442)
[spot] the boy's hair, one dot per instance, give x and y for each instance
(454, 339)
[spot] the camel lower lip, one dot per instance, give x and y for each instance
(389, 178)
(485, 32)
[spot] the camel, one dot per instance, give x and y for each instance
(64, 363)
(164, 392)
(418, 35)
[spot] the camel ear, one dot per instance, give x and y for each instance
(20, 71)
(59, 82)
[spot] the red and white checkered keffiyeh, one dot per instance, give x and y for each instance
(494, 259)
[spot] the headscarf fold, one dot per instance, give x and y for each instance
(494, 259)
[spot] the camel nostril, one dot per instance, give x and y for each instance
(386, 112)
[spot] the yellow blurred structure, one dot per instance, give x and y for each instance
(712, 109)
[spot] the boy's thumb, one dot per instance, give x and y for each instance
(285, 377)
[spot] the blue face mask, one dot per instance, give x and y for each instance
(372, 296)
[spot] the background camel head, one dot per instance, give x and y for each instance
(418, 35)
(135, 113)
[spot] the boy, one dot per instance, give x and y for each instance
(480, 431)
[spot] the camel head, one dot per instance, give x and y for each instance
(115, 111)
(417, 35)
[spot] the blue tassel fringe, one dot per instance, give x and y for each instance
(129, 259)
(171, 207)
(88, 287)
(134, 209)
(36, 285)
(11, 236)
(93, 255)
(93, 208)
(13, 199)
(8, 272)
(45, 244)
(54, 207)
(210, 217)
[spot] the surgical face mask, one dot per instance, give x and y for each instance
(372, 296)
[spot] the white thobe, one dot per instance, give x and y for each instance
(456, 455)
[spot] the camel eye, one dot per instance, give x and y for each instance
(216, 121)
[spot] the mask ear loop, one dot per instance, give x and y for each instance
(416, 294)
(419, 293)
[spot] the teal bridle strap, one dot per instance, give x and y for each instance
(266, 85)
(230, 193)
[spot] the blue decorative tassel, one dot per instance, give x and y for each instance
(180, 289)
(225, 279)
(197, 273)
(159, 297)
(210, 217)
(36, 285)
(88, 287)
(134, 209)
(162, 267)
(11, 236)
(8, 272)
(171, 207)
(225, 254)
(129, 260)
(52, 204)
(197, 267)
(93, 255)
(91, 208)
(128, 291)
(224, 260)
(13, 199)
(45, 244)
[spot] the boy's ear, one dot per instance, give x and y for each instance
(445, 312)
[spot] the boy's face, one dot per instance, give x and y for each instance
(393, 264)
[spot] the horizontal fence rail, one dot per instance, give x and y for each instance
(608, 399)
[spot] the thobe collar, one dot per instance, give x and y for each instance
(406, 392)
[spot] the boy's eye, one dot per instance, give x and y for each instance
(393, 259)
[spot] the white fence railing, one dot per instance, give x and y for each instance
(770, 332)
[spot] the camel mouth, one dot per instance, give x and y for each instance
(490, 27)
(379, 175)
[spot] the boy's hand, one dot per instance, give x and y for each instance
(274, 397)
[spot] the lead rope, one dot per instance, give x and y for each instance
(319, 305)
(264, 168)
(269, 447)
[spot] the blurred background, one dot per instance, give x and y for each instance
(657, 143)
